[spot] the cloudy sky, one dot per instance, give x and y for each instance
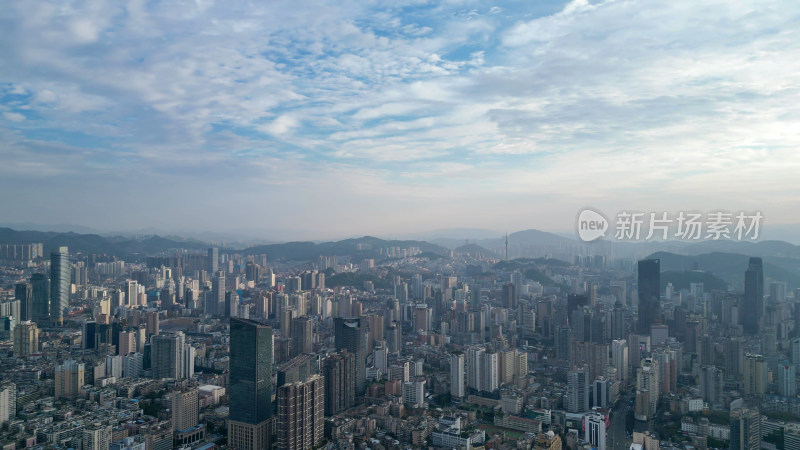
(358, 117)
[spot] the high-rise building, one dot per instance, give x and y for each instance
(619, 359)
(510, 295)
(350, 335)
(302, 331)
(745, 431)
(184, 406)
(596, 430)
(26, 339)
(787, 383)
(414, 393)
(8, 402)
(755, 374)
(711, 386)
(250, 385)
(753, 296)
(96, 437)
(69, 378)
(649, 294)
(216, 303)
(213, 260)
(23, 293)
(457, 378)
(578, 390)
(167, 356)
(339, 371)
(647, 389)
(301, 416)
(127, 343)
(40, 297)
(59, 284)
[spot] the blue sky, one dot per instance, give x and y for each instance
(356, 117)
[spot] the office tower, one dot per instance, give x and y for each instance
(745, 429)
(596, 430)
(167, 356)
(619, 359)
(184, 407)
(414, 393)
(69, 379)
(711, 386)
(578, 390)
(755, 373)
(250, 384)
(59, 284)
(40, 293)
(96, 437)
(114, 366)
(23, 293)
(563, 342)
(216, 306)
(301, 417)
(349, 335)
(618, 324)
(339, 371)
(8, 402)
(131, 290)
(510, 295)
(787, 385)
(302, 331)
(26, 339)
(457, 376)
(133, 365)
(152, 323)
(127, 342)
(734, 357)
(753, 296)
(213, 260)
(649, 294)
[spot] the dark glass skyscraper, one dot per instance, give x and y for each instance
(251, 371)
(40, 297)
(649, 294)
(349, 335)
(59, 283)
(753, 296)
(250, 385)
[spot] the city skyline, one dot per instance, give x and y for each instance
(364, 119)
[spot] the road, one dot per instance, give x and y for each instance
(617, 438)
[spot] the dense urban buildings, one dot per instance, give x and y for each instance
(198, 347)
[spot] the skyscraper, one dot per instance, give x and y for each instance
(23, 293)
(250, 384)
(167, 356)
(350, 335)
(26, 339)
(59, 284)
(213, 260)
(302, 331)
(649, 294)
(301, 419)
(339, 371)
(184, 407)
(745, 429)
(753, 296)
(457, 375)
(69, 379)
(578, 390)
(40, 293)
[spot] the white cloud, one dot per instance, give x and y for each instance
(13, 116)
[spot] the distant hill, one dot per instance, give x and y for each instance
(730, 267)
(476, 250)
(360, 248)
(131, 249)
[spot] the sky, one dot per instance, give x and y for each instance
(322, 119)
